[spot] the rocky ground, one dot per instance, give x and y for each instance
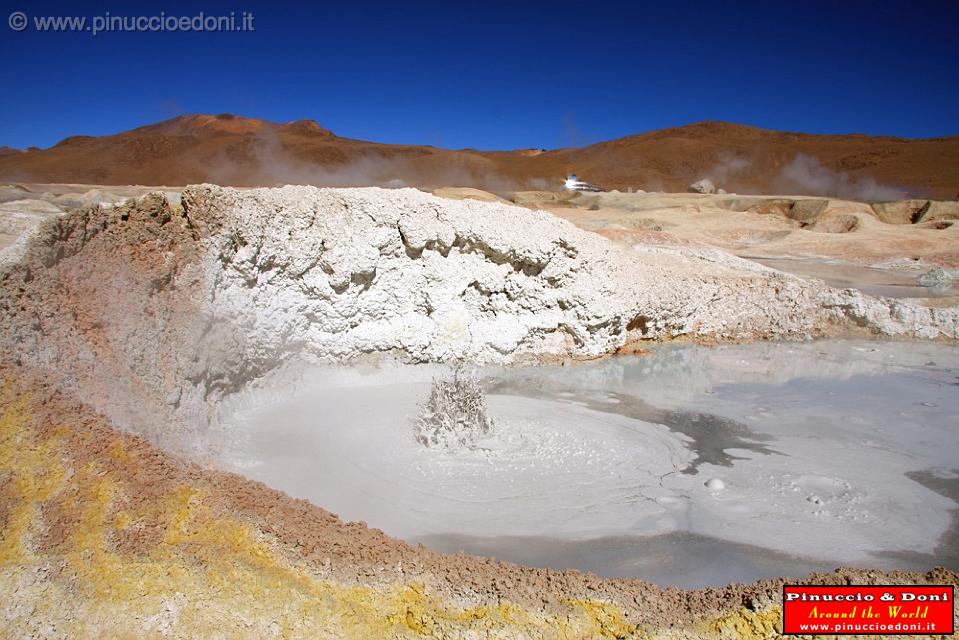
(904, 238)
(921, 232)
(903, 249)
(125, 322)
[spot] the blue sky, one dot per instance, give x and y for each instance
(495, 75)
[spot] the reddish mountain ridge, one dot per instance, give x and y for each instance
(234, 150)
(752, 160)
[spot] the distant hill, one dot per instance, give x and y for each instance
(229, 149)
(751, 160)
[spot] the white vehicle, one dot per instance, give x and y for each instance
(575, 184)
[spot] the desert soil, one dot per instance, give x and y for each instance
(843, 242)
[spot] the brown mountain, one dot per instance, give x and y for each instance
(230, 149)
(751, 160)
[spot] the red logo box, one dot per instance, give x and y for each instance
(869, 610)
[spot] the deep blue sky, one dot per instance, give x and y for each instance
(496, 75)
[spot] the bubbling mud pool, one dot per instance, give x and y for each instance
(696, 466)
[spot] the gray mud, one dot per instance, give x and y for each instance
(887, 283)
(693, 467)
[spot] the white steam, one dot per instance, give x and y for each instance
(806, 175)
(729, 165)
(265, 160)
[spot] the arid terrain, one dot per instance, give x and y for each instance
(233, 150)
(146, 331)
(844, 242)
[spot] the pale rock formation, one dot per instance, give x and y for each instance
(900, 211)
(936, 277)
(155, 309)
(703, 186)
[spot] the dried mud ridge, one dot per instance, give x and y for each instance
(140, 317)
